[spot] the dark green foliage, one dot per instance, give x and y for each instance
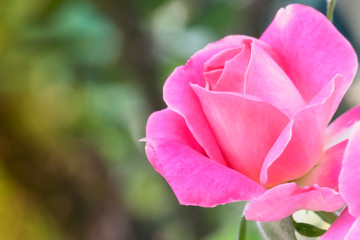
(308, 230)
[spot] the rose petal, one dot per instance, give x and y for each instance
(326, 172)
(253, 71)
(299, 146)
(244, 126)
(283, 200)
(340, 129)
(194, 178)
(354, 231)
(214, 66)
(180, 98)
(166, 124)
(311, 48)
(266, 79)
(341, 227)
(218, 60)
(212, 78)
(232, 78)
(349, 180)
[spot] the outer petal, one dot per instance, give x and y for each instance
(326, 172)
(311, 48)
(299, 146)
(341, 227)
(179, 96)
(349, 180)
(283, 200)
(354, 232)
(340, 129)
(194, 178)
(245, 127)
(168, 125)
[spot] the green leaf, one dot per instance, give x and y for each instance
(328, 217)
(242, 229)
(308, 230)
(279, 230)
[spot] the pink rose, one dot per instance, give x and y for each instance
(247, 119)
(347, 226)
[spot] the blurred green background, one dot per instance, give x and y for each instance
(78, 79)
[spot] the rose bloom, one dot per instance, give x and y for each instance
(247, 119)
(347, 226)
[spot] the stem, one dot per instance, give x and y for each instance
(330, 9)
(241, 235)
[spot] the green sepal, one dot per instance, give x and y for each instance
(279, 230)
(308, 230)
(328, 217)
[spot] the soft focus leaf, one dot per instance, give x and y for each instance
(279, 230)
(242, 229)
(328, 217)
(308, 230)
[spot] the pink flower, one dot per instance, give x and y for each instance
(347, 226)
(247, 119)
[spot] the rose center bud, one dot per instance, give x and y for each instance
(248, 100)
(226, 70)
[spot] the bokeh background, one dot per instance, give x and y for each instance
(78, 79)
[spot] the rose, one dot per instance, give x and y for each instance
(247, 119)
(347, 226)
